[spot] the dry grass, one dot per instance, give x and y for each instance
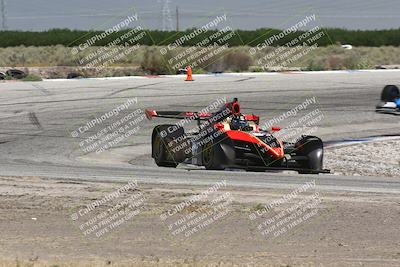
(149, 59)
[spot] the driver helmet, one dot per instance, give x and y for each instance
(239, 123)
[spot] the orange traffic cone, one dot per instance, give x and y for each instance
(189, 77)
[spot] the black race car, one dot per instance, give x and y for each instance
(229, 139)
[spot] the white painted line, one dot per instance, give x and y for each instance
(362, 141)
(228, 75)
(96, 79)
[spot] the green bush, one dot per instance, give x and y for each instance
(32, 78)
(315, 65)
(237, 61)
(154, 63)
(199, 71)
(334, 62)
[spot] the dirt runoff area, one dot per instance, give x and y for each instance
(373, 159)
(55, 222)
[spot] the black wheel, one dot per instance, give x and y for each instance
(390, 93)
(16, 74)
(312, 149)
(209, 157)
(160, 153)
(74, 75)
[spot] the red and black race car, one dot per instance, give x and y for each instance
(229, 139)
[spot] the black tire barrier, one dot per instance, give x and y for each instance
(16, 74)
(74, 75)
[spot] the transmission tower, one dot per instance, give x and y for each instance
(3, 15)
(166, 15)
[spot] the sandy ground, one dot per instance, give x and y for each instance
(351, 229)
(374, 159)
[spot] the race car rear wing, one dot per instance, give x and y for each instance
(231, 108)
(150, 114)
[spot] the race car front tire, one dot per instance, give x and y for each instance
(311, 147)
(390, 93)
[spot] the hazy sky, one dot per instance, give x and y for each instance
(248, 14)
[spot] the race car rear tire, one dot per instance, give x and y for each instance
(312, 148)
(209, 157)
(390, 93)
(161, 155)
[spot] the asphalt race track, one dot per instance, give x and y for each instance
(36, 121)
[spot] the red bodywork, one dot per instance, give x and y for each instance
(277, 152)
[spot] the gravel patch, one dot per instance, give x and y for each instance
(373, 159)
